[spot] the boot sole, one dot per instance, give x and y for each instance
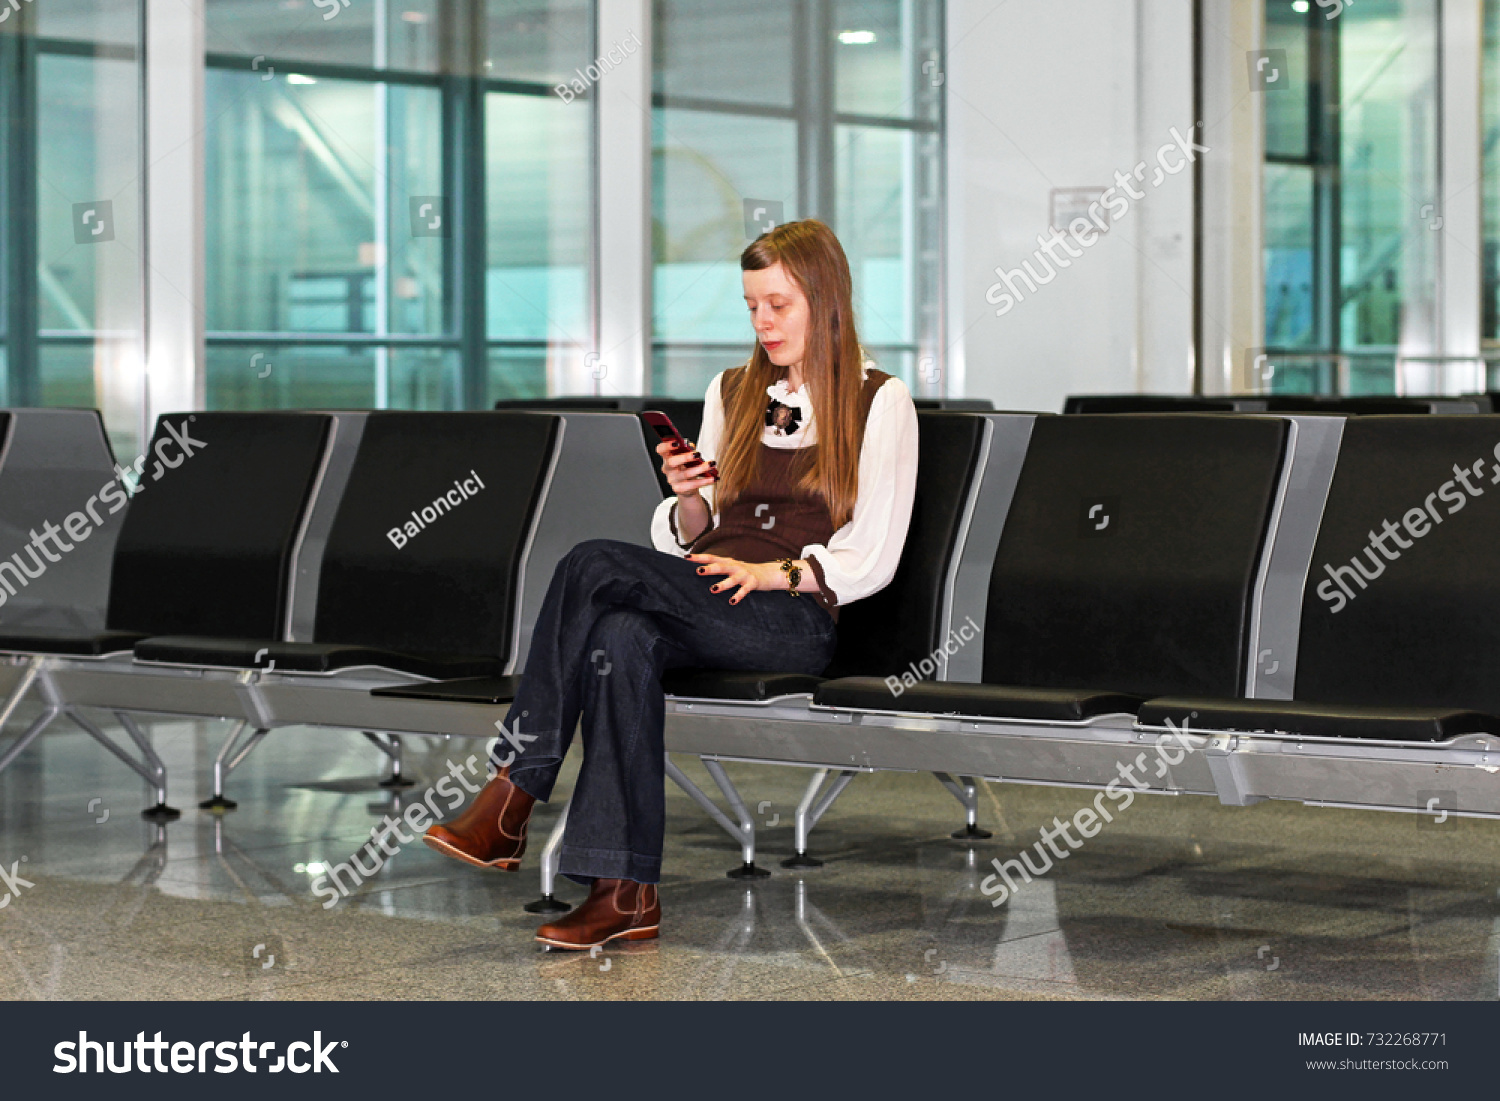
(504, 864)
(645, 932)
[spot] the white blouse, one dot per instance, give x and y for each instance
(860, 558)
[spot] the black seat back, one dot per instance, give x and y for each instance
(1130, 552)
(54, 463)
(474, 482)
(880, 635)
(955, 405)
(1422, 630)
(585, 403)
(1374, 404)
(687, 415)
(1159, 403)
(207, 541)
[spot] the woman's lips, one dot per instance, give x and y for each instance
(771, 345)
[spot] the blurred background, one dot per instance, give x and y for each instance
(437, 204)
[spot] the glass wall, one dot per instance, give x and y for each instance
(398, 205)
(1352, 225)
(837, 114)
(1490, 150)
(71, 307)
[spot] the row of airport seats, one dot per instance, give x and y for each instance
(292, 569)
(1277, 403)
(1201, 603)
(1198, 604)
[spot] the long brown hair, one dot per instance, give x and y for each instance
(831, 370)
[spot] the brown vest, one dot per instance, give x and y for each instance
(773, 518)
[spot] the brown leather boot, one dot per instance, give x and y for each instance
(615, 908)
(491, 832)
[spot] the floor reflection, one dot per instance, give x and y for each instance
(1185, 899)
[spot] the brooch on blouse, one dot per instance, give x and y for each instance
(784, 418)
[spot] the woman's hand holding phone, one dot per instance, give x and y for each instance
(686, 471)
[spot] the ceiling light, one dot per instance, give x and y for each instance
(856, 38)
(298, 78)
(413, 17)
(1300, 6)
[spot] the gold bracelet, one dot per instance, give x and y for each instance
(793, 575)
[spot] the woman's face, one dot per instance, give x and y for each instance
(779, 313)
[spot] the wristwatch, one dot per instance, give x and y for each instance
(793, 575)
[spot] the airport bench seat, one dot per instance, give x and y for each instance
(489, 691)
(232, 514)
(981, 700)
(1317, 720)
(82, 644)
(307, 657)
(902, 622)
(737, 686)
(442, 607)
(1403, 656)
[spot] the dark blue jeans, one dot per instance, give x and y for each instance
(615, 617)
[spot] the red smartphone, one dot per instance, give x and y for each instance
(668, 431)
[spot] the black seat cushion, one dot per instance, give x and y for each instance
(989, 700)
(308, 657)
(81, 644)
(1129, 554)
(901, 624)
(1318, 720)
(1422, 631)
(451, 585)
(725, 684)
(206, 545)
(482, 690)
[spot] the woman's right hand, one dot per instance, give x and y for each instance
(686, 472)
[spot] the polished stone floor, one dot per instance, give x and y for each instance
(1178, 898)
